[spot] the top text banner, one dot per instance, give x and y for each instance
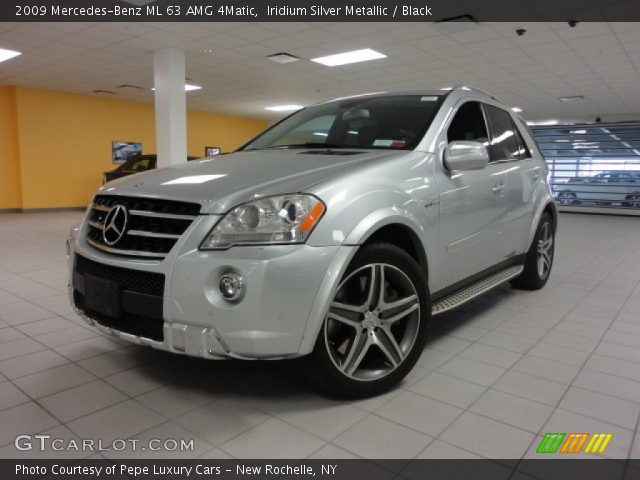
(318, 10)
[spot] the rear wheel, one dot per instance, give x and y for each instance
(376, 326)
(539, 258)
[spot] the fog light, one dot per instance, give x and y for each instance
(67, 247)
(231, 286)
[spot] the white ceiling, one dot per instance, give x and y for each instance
(598, 60)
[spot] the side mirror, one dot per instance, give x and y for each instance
(465, 155)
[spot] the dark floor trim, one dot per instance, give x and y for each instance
(42, 210)
(620, 212)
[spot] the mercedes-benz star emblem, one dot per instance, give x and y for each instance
(115, 225)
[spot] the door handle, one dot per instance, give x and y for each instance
(498, 187)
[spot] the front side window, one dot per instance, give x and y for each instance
(503, 144)
(394, 122)
(468, 124)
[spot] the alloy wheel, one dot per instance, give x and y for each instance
(545, 250)
(373, 322)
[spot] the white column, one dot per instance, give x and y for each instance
(171, 106)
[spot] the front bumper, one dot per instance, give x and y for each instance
(287, 291)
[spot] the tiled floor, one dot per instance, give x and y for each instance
(494, 377)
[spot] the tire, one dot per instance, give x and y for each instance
(537, 266)
(349, 359)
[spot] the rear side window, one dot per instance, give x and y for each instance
(468, 124)
(523, 149)
(503, 144)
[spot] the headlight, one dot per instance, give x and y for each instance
(284, 219)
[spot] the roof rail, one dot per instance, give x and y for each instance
(467, 87)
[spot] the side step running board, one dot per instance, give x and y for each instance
(475, 289)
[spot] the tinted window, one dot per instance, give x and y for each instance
(468, 124)
(523, 150)
(312, 131)
(140, 164)
(394, 122)
(503, 145)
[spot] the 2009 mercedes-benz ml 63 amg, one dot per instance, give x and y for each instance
(335, 235)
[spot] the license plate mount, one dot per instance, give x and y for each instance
(102, 295)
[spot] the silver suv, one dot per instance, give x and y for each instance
(335, 235)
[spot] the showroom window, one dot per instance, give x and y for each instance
(504, 145)
(593, 165)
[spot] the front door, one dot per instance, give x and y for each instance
(472, 205)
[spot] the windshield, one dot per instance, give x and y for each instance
(396, 122)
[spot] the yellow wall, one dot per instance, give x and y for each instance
(64, 141)
(9, 162)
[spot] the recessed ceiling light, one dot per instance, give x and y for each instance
(8, 54)
(571, 98)
(283, 57)
(284, 108)
(543, 122)
(187, 88)
(516, 109)
(349, 57)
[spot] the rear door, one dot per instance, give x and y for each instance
(472, 205)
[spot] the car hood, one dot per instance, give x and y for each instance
(220, 183)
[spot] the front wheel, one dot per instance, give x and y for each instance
(376, 325)
(539, 258)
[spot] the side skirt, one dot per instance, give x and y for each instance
(462, 292)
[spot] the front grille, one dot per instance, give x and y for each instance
(150, 283)
(144, 317)
(152, 229)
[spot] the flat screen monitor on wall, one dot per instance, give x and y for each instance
(123, 151)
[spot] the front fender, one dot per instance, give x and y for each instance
(382, 218)
(358, 235)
